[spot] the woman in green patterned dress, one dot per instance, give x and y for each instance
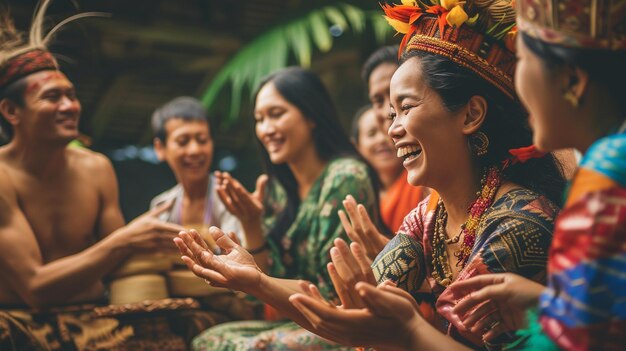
(289, 229)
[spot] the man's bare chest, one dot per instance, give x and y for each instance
(63, 213)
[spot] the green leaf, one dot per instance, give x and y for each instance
(381, 28)
(210, 95)
(495, 26)
(235, 97)
(271, 50)
(356, 17)
(472, 20)
(503, 32)
(300, 43)
(319, 29)
(336, 17)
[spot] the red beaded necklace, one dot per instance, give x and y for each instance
(441, 267)
(491, 182)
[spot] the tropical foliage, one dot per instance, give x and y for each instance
(301, 36)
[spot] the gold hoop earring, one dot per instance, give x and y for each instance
(570, 97)
(479, 143)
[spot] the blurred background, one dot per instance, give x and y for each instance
(150, 51)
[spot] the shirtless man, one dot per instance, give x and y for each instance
(61, 228)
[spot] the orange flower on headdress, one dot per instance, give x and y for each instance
(450, 12)
(402, 18)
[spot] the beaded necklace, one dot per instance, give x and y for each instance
(442, 273)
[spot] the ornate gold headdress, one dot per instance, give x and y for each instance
(584, 24)
(476, 34)
(19, 58)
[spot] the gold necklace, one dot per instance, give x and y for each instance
(454, 240)
(441, 267)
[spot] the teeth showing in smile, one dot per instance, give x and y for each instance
(409, 150)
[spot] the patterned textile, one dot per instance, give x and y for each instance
(513, 236)
(584, 307)
(24, 64)
(584, 24)
(400, 199)
(305, 253)
(485, 46)
(263, 335)
(159, 325)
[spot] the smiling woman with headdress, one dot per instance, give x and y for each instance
(461, 131)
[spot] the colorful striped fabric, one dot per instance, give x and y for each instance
(584, 307)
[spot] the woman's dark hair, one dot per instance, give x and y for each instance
(354, 128)
(305, 90)
(506, 123)
(605, 67)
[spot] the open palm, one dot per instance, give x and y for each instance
(234, 269)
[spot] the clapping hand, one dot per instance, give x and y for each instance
(360, 228)
(385, 321)
(349, 266)
(246, 206)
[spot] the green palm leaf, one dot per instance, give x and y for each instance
(271, 50)
(320, 32)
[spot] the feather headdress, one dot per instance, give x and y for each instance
(476, 34)
(20, 57)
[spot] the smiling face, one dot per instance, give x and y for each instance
(51, 110)
(281, 127)
(375, 145)
(378, 84)
(188, 149)
(428, 137)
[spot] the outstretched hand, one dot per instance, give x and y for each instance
(147, 232)
(360, 228)
(246, 206)
(495, 303)
(234, 268)
(387, 321)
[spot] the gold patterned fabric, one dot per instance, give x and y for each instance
(513, 236)
(167, 324)
(584, 24)
(401, 263)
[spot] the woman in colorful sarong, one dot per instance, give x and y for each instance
(570, 76)
(489, 213)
